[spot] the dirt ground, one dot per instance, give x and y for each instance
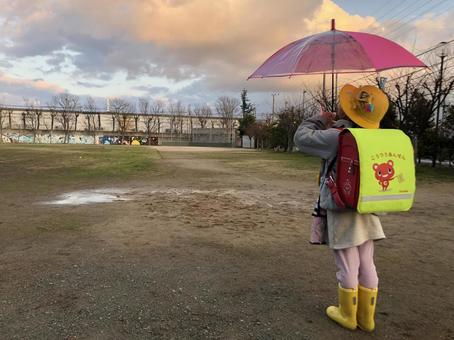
(212, 248)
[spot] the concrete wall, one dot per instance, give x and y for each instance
(218, 137)
(167, 129)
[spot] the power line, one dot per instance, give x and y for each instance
(402, 25)
(406, 28)
(417, 71)
(314, 101)
(392, 10)
(396, 17)
(424, 75)
(435, 47)
(381, 8)
(396, 14)
(418, 55)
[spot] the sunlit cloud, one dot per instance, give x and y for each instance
(193, 50)
(38, 84)
(321, 20)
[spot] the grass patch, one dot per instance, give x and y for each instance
(45, 168)
(255, 159)
(277, 164)
(28, 167)
(426, 173)
(294, 163)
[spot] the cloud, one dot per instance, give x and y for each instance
(161, 35)
(88, 84)
(13, 90)
(152, 90)
(38, 84)
(321, 20)
(209, 46)
(431, 29)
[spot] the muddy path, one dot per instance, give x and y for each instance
(208, 250)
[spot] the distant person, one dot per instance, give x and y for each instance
(351, 235)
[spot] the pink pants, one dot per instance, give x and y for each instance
(356, 265)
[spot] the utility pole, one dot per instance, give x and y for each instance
(274, 95)
(324, 90)
(437, 117)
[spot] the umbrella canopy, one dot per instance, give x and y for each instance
(337, 52)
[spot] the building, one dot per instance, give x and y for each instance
(45, 125)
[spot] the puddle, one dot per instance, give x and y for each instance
(90, 197)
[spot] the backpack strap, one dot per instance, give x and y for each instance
(318, 211)
(332, 186)
(331, 183)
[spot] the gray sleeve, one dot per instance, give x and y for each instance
(313, 138)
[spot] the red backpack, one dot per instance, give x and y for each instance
(375, 171)
(345, 188)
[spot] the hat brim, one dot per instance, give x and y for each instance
(381, 103)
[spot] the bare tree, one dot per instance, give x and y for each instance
(290, 118)
(136, 116)
(157, 109)
(203, 113)
(53, 115)
(180, 112)
(176, 111)
(2, 121)
(24, 122)
(66, 105)
(32, 117)
(438, 88)
(92, 117)
(76, 118)
(144, 106)
(191, 121)
(402, 99)
(417, 99)
(49, 125)
(9, 112)
(172, 118)
(150, 120)
(121, 110)
(226, 107)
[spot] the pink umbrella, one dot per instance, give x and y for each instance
(336, 52)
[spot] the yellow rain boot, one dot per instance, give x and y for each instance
(345, 314)
(367, 299)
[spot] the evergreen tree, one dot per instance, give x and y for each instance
(248, 118)
(246, 106)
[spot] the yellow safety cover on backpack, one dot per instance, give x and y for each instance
(387, 170)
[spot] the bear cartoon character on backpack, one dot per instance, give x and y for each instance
(384, 173)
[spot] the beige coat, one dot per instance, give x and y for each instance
(346, 228)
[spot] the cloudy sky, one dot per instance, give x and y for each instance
(188, 50)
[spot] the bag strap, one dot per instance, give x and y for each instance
(318, 211)
(331, 183)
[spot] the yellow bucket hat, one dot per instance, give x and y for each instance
(365, 105)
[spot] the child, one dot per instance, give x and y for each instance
(351, 235)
